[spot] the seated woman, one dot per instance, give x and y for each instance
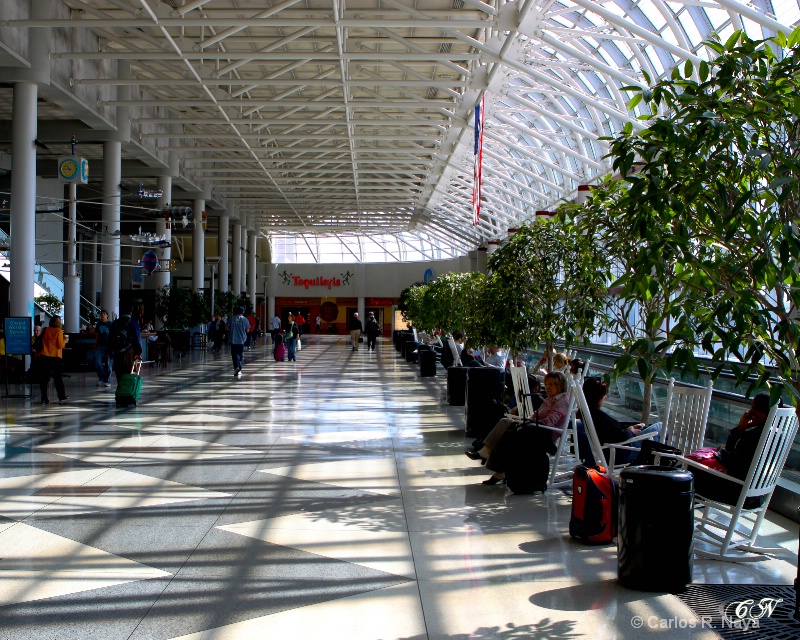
(609, 430)
(734, 457)
(552, 413)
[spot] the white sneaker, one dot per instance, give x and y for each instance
(106, 384)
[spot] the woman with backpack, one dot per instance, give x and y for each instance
(49, 360)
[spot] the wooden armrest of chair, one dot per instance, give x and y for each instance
(641, 436)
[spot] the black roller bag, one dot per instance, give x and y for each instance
(527, 465)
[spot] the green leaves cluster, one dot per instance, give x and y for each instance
(181, 308)
(712, 198)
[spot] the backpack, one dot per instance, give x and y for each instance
(120, 337)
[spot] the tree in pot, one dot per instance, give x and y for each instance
(545, 284)
(638, 312)
(180, 308)
(721, 170)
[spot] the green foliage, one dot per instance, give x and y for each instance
(180, 308)
(50, 303)
(716, 188)
(225, 302)
(545, 284)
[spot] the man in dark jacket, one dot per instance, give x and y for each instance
(373, 330)
(355, 331)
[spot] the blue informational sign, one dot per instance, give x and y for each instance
(428, 277)
(18, 336)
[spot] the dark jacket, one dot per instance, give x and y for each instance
(355, 325)
(740, 449)
(373, 328)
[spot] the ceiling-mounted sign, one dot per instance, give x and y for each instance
(73, 169)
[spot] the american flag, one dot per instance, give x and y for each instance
(478, 164)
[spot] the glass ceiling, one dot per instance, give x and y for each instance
(343, 130)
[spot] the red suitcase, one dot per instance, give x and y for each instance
(595, 499)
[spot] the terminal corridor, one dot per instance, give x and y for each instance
(327, 498)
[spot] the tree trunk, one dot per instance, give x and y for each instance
(548, 345)
(647, 396)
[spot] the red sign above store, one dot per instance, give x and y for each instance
(328, 283)
(379, 302)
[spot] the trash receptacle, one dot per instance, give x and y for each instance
(655, 540)
(427, 363)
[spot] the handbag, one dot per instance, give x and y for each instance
(707, 456)
(650, 447)
(299, 345)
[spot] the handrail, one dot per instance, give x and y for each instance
(42, 275)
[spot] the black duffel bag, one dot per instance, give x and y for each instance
(650, 447)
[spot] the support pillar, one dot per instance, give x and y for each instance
(72, 283)
(198, 247)
(243, 282)
(112, 264)
(361, 291)
(272, 283)
(222, 239)
(164, 228)
(251, 266)
(236, 259)
(23, 198)
(95, 271)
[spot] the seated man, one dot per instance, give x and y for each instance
(495, 357)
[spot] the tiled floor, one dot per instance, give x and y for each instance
(328, 498)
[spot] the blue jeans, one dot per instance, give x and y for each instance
(101, 364)
(290, 347)
(236, 353)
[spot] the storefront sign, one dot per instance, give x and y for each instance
(379, 302)
(327, 283)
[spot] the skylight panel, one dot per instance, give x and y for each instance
(654, 16)
(690, 28)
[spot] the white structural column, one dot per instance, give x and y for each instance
(164, 228)
(112, 176)
(93, 259)
(222, 239)
(243, 282)
(198, 246)
(272, 282)
(361, 291)
(23, 198)
(236, 259)
(251, 266)
(72, 283)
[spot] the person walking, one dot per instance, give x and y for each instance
(355, 331)
(49, 361)
(319, 324)
(301, 322)
(373, 330)
(292, 332)
(101, 332)
(275, 325)
(238, 327)
(125, 341)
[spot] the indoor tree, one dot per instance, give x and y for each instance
(639, 307)
(720, 169)
(545, 284)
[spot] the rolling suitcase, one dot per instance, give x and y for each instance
(129, 386)
(280, 352)
(595, 499)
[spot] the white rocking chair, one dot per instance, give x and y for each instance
(596, 447)
(686, 417)
(729, 531)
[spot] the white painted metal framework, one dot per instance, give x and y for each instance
(343, 127)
